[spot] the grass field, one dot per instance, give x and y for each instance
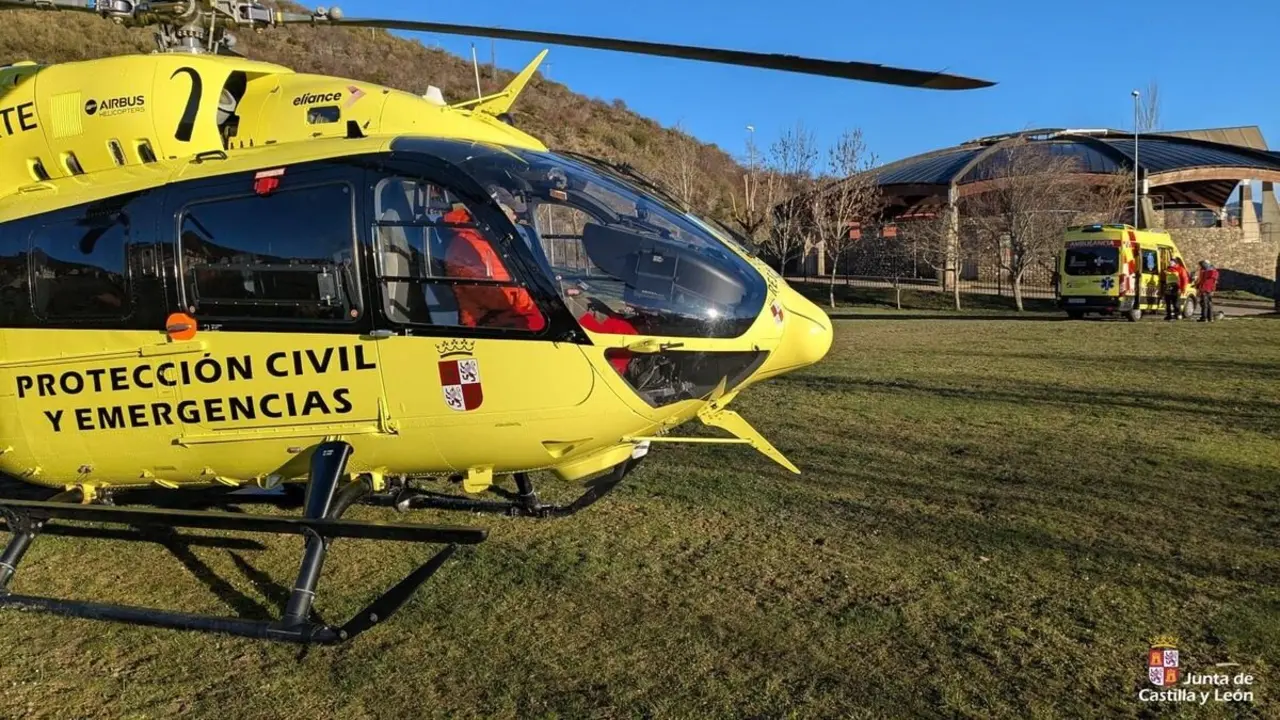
(994, 519)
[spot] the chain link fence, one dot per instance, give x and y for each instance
(895, 257)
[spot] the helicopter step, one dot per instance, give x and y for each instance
(325, 501)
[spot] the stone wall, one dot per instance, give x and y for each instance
(1242, 264)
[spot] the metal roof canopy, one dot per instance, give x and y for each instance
(1207, 159)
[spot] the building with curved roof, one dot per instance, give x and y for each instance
(1192, 170)
(1187, 180)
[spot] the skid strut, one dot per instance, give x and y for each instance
(325, 502)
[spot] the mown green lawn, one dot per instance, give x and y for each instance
(995, 518)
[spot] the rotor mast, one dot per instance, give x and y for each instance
(185, 26)
(199, 26)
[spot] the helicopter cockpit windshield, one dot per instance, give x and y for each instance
(624, 260)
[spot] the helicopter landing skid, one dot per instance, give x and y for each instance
(324, 503)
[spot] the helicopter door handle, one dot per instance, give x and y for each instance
(651, 346)
(209, 155)
(379, 334)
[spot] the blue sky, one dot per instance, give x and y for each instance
(1057, 65)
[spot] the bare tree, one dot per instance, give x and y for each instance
(792, 158)
(1149, 109)
(1032, 195)
(843, 209)
(681, 173)
(888, 254)
(751, 209)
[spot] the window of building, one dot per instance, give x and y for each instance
(79, 268)
(288, 255)
(439, 267)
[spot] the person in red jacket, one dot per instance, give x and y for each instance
(1206, 285)
(603, 320)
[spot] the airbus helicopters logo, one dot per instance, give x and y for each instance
(460, 375)
(116, 106)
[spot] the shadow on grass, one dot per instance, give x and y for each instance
(1137, 521)
(240, 603)
(986, 536)
(1145, 364)
(178, 545)
(1257, 415)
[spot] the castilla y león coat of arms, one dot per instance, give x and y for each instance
(460, 375)
(1162, 662)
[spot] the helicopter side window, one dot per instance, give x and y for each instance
(288, 255)
(78, 268)
(588, 291)
(439, 266)
(560, 230)
(15, 275)
(625, 258)
(324, 115)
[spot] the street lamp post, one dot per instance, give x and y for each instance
(1136, 209)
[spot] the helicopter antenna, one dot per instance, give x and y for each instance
(476, 66)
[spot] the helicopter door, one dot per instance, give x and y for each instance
(270, 270)
(473, 344)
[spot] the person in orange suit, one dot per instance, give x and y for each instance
(1176, 281)
(470, 255)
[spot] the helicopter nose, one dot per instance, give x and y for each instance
(806, 334)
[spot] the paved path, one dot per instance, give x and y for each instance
(1231, 309)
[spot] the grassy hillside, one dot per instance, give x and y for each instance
(548, 110)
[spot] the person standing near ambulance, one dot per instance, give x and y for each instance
(1206, 285)
(1175, 288)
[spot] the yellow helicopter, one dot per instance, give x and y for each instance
(225, 280)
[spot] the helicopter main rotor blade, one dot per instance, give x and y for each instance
(849, 70)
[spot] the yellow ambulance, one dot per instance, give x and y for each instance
(1117, 269)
